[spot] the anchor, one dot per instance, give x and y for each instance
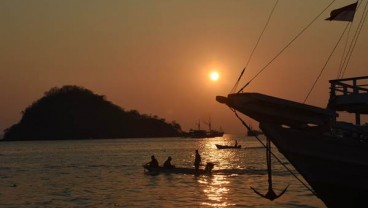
(271, 195)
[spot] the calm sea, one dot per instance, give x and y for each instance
(109, 173)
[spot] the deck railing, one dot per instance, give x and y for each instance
(350, 86)
(355, 85)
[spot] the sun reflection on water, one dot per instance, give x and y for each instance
(217, 190)
(218, 187)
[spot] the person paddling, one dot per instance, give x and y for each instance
(197, 161)
(153, 163)
(167, 163)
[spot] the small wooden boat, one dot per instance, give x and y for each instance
(227, 147)
(176, 170)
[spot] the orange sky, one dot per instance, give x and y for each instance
(155, 55)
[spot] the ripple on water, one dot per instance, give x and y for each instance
(109, 173)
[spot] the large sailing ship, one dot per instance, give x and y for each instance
(331, 155)
(200, 133)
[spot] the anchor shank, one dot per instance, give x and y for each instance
(268, 158)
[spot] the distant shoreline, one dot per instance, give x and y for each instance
(73, 112)
(84, 139)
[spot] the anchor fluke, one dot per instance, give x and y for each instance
(270, 195)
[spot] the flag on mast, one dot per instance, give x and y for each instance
(345, 13)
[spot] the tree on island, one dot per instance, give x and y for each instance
(73, 112)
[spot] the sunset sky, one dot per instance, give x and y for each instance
(156, 56)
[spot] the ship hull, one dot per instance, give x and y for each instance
(332, 157)
(336, 168)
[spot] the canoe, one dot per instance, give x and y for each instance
(227, 147)
(179, 170)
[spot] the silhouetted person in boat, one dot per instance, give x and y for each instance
(153, 163)
(167, 163)
(236, 143)
(197, 161)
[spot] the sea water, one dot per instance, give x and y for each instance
(109, 173)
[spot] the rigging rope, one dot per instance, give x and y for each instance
(348, 54)
(355, 38)
(254, 49)
(324, 67)
(283, 49)
(288, 169)
(343, 53)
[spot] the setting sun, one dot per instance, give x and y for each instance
(214, 76)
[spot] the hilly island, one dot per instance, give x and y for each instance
(73, 112)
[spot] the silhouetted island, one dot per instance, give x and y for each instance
(73, 112)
